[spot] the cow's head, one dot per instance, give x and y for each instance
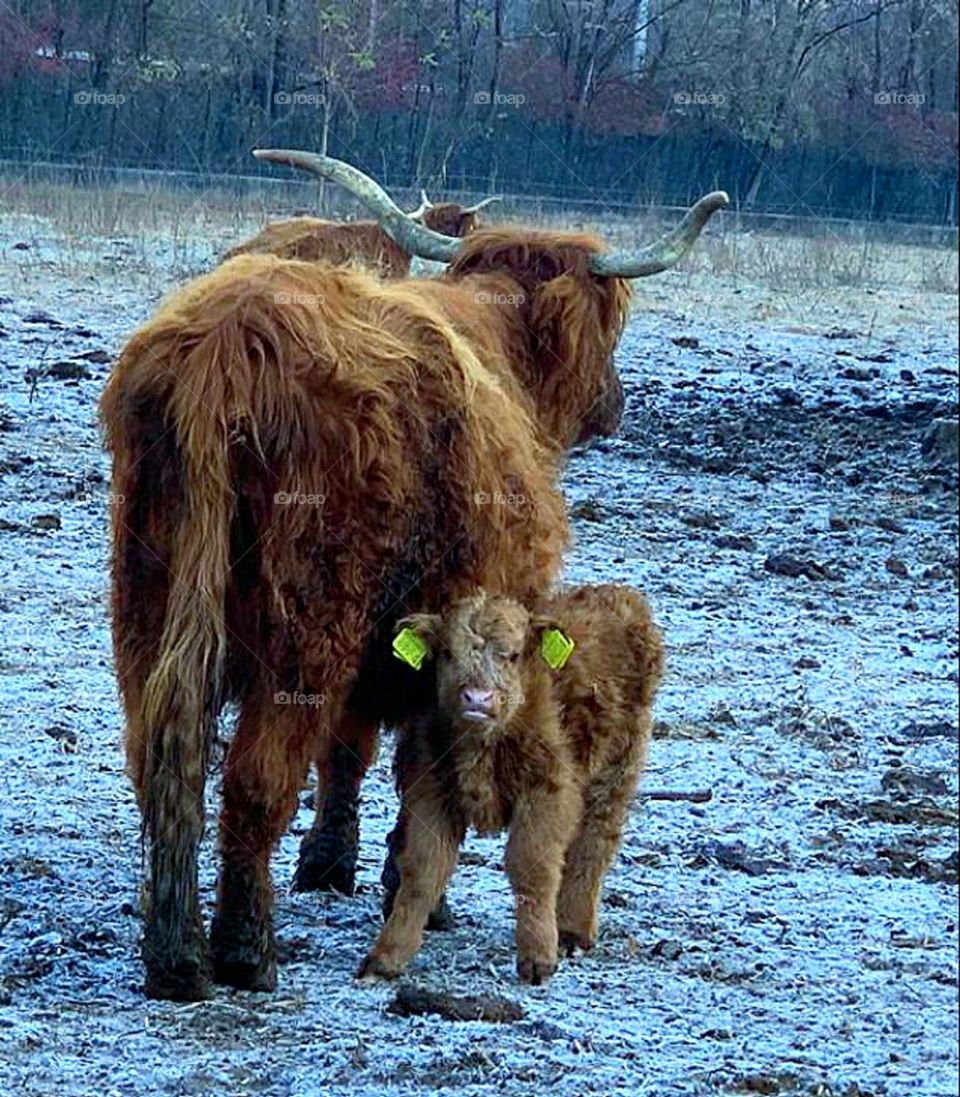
(569, 320)
(450, 218)
(571, 297)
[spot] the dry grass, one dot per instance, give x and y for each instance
(817, 273)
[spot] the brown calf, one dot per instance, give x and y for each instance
(552, 756)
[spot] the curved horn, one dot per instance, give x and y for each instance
(482, 204)
(425, 204)
(413, 238)
(668, 250)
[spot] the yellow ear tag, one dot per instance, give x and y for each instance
(556, 648)
(409, 648)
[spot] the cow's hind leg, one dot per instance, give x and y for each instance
(174, 947)
(265, 771)
(328, 854)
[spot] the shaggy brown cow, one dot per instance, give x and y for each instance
(552, 755)
(329, 852)
(342, 242)
(304, 454)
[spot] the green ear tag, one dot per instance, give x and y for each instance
(408, 647)
(556, 648)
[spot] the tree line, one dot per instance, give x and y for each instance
(845, 108)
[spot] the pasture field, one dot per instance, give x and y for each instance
(797, 934)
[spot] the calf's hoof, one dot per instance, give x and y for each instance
(375, 969)
(572, 942)
(535, 972)
(326, 864)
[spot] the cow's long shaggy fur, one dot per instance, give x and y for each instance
(552, 756)
(341, 242)
(303, 454)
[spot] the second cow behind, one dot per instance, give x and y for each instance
(551, 755)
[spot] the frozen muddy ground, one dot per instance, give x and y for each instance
(798, 934)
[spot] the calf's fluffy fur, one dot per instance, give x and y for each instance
(552, 756)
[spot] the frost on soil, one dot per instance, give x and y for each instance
(772, 492)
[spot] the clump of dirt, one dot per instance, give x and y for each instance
(413, 1001)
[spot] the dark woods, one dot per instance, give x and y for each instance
(843, 108)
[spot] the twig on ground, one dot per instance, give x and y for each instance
(697, 796)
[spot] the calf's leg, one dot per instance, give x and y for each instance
(440, 917)
(594, 846)
(539, 834)
(425, 863)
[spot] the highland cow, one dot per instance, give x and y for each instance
(362, 242)
(304, 454)
(551, 755)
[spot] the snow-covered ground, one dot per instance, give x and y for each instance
(797, 934)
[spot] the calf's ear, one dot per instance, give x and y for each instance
(428, 626)
(553, 643)
(541, 623)
(416, 639)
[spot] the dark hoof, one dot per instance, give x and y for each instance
(374, 970)
(535, 972)
(185, 979)
(325, 865)
(245, 958)
(572, 943)
(246, 976)
(185, 984)
(441, 917)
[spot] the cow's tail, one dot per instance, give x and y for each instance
(181, 685)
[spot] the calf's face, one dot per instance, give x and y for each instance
(480, 645)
